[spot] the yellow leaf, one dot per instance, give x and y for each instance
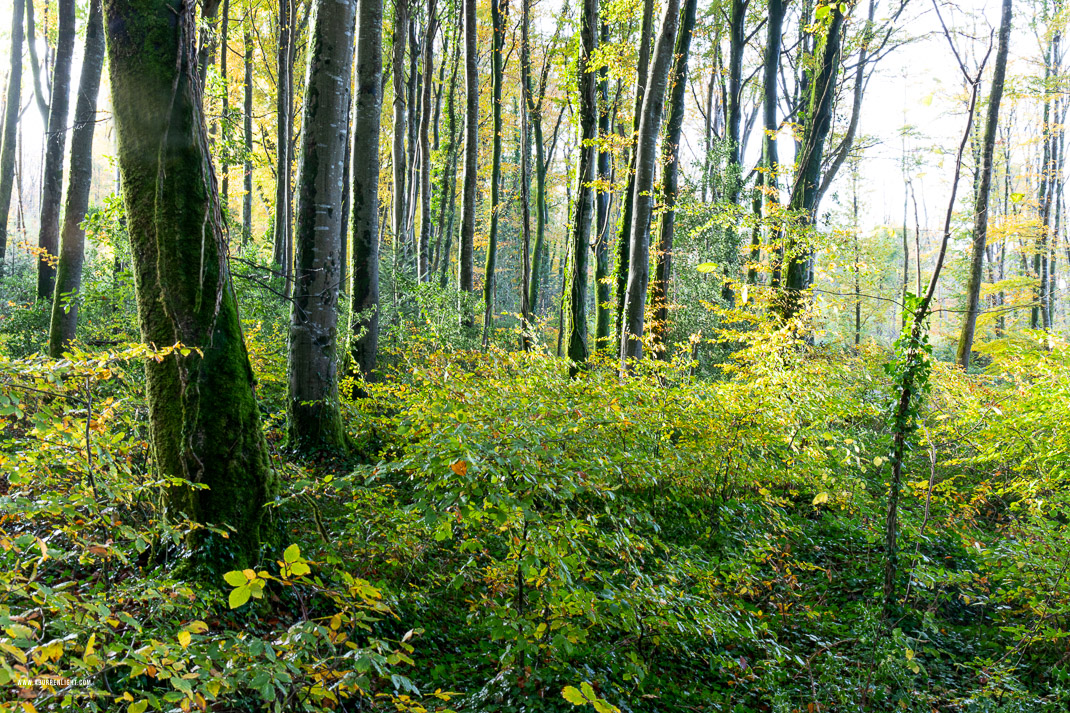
(821, 498)
(184, 639)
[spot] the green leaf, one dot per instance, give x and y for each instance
(235, 579)
(291, 554)
(300, 568)
(138, 707)
(573, 696)
(239, 596)
(821, 498)
(707, 267)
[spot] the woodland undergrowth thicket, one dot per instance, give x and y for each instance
(511, 539)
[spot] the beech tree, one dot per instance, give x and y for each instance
(9, 138)
(315, 420)
(203, 417)
(55, 146)
(72, 244)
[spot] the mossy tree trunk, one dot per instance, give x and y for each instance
(72, 240)
(498, 8)
(364, 206)
(603, 307)
(55, 147)
(9, 139)
(203, 417)
(315, 421)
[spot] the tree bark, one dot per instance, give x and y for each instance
(580, 230)
(283, 253)
(423, 271)
(447, 197)
(525, 176)
(498, 28)
(55, 146)
(224, 169)
(980, 224)
(247, 118)
(631, 345)
(203, 417)
(399, 215)
(72, 246)
(603, 307)
(9, 139)
(817, 122)
(624, 229)
(35, 65)
(670, 153)
(364, 286)
(471, 154)
(315, 420)
(771, 124)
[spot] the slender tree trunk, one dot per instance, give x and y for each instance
(535, 108)
(580, 230)
(56, 143)
(525, 176)
(364, 213)
(770, 178)
(315, 420)
(247, 163)
(35, 66)
(498, 9)
(399, 216)
(471, 154)
(631, 345)
(9, 139)
(203, 417)
(446, 206)
(624, 229)
(224, 169)
(284, 108)
(603, 306)
(72, 246)
(817, 121)
(424, 249)
(980, 224)
(670, 153)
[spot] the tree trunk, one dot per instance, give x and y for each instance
(771, 124)
(72, 246)
(446, 205)
(364, 213)
(247, 164)
(315, 421)
(603, 307)
(399, 216)
(631, 345)
(580, 229)
(284, 107)
(670, 154)
(203, 416)
(423, 270)
(980, 224)
(56, 143)
(9, 139)
(525, 176)
(624, 230)
(498, 28)
(35, 65)
(471, 154)
(817, 122)
(224, 169)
